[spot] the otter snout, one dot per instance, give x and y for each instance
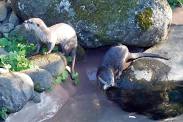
(105, 77)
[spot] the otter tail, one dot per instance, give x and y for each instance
(140, 55)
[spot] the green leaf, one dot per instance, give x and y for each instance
(4, 42)
(61, 78)
(75, 76)
(3, 113)
(18, 50)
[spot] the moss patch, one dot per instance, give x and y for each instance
(144, 19)
(102, 13)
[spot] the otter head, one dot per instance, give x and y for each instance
(34, 24)
(105, 77)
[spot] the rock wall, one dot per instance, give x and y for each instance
(140, 23)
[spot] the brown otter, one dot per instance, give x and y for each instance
(117, 59)
(62, 34)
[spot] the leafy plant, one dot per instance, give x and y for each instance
(3, 113)
(61, 78)
(16, 59)
(175, 3)
(75, 77)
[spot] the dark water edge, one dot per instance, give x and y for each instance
(156, 105)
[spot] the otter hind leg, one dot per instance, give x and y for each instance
(69, 50)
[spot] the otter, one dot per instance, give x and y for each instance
(117, 59)
(61, 34)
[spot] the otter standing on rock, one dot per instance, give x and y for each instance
(117, 59)
(62, 34)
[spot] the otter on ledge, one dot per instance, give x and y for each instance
(117, 59)
(61, 33)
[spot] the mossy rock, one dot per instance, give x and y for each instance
(54, 63)
(133, 22)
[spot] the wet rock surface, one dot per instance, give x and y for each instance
(137, 22)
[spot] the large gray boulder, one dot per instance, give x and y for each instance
(162, 70)
(132, 22)
(153, 86)
(42, 79)
(16, 89)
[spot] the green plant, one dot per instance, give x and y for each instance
(61, 78)
(16, 59)
(3, 113)
(75, 77)
(16, 44)
(175, 3)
